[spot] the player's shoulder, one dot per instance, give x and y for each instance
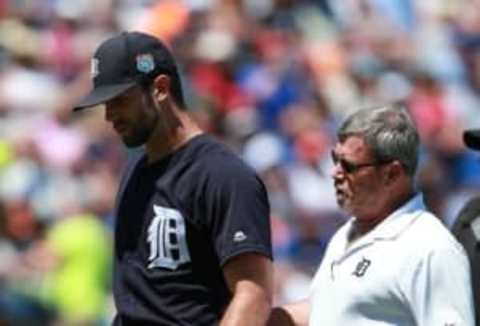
(212, 157)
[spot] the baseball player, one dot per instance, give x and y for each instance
(192, 233)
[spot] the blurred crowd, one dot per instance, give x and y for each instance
(271, 78)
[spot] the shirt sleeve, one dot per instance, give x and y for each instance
(238, 212)
(439, 291)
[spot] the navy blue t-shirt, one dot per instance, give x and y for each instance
(178, 221)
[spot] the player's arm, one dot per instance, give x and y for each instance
(250, 279)
(293, 314)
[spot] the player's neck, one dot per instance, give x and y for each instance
(363, 225)
(170, 135)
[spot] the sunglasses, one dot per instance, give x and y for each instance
(350, 167)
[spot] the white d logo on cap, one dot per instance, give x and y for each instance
(94, 67)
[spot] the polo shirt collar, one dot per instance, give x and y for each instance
(394, 224)
(391, 227)
(400, 219)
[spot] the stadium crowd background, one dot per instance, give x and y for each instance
(271, 78)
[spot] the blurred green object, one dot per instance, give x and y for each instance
(78, 286)
(6, 153)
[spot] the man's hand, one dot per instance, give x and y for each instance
(294, 314)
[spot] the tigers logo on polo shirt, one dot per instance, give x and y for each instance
(145, 63)
(362, 267)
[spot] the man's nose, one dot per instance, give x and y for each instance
(336, 171)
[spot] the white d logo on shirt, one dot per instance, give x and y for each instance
(167, 239)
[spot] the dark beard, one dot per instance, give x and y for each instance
(138, 138)
(142, 134)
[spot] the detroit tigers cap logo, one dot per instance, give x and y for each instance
(145, 63)
(94, 71)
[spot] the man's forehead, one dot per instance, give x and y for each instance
(352, 145)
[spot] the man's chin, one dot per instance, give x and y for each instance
(344, 205)
(132, 143)
(341, 201)
(137, 137)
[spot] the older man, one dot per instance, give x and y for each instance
(467, 228)
(393, 262)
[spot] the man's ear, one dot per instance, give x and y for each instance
(394, 170)
(161, 87)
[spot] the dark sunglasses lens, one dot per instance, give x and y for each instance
(347, 166)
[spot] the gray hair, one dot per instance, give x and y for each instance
(388, 131)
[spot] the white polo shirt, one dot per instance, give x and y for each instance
(409, 270)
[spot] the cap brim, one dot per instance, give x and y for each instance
(102, 94)
(472, 139)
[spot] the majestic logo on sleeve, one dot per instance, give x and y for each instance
(167, 239)
(239, 236)
(361, 267)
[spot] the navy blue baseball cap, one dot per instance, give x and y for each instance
(472, 138)
(123, 61)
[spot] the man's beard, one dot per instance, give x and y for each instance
(139, 137)
(141, 134)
